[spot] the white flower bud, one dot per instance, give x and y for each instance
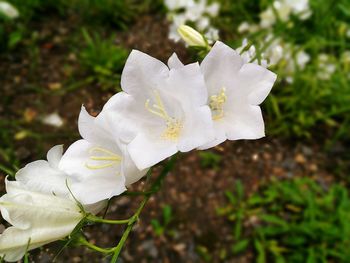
(191, 36)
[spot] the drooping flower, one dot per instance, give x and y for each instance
(36, 218)
(235, 90)
(99, 163)
(161, 111)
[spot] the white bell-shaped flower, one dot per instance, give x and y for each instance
(98, 164)
(36, 218)
(161, 110)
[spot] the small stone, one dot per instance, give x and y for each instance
(300, 159)
(55, 86)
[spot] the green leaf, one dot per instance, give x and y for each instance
(240, 246)
(167, 214)
(261, 258)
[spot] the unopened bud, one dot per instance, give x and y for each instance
(191, 36)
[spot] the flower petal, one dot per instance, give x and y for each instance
(98, 187)
(40, 218)
(187, 84)
(174, 62)
(198, 129)
(245, 123)
(146, 152)
(220, 66)
(40, 176)
(257, 82)
(54, 155)
(142, 72)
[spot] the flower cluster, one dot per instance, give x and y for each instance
(194, 12)
(276, 51)
(162, 109)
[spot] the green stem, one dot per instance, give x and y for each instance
(96, 219)
(86, 243)
(153, 189)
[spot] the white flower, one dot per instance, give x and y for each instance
(177, 4)
(235, 89)
(46, 177)
(8, 10)
(300, 8)
(161, 111)
(212, 35)
(36, 219)
(99, 163)
(53, 120)
(326, 66)
(249, 55)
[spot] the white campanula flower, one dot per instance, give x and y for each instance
(235, 90)
(8, 10)
(37, 219)
(99, 163)
(161, 110)
(48, 178)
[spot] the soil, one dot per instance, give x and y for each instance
(193, 191)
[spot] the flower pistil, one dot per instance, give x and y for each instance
(216, 104)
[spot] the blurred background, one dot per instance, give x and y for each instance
(284, 198)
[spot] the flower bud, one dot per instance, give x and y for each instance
(191, 36)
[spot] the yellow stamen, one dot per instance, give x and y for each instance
(216, 104)
(173, 126)
(108, 158)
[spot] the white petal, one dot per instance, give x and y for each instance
(92, 185)
(174, 62)
(131, 173)
(245, 123)
(257, 82)
(40, 176)
(187, 84)
(198, 129)
(98, 187)
(146, 152)
(54, 155)
(92, 129)
(220, 135)
(220, 66)
(114, 112)
(142, 72)
(42, 218)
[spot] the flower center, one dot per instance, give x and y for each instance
(173, 125)
(104, 157)
(216, 104)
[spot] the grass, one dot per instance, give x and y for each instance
(295, 220)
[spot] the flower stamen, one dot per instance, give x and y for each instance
(173, 126)
(107, 157)
(216, 104)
